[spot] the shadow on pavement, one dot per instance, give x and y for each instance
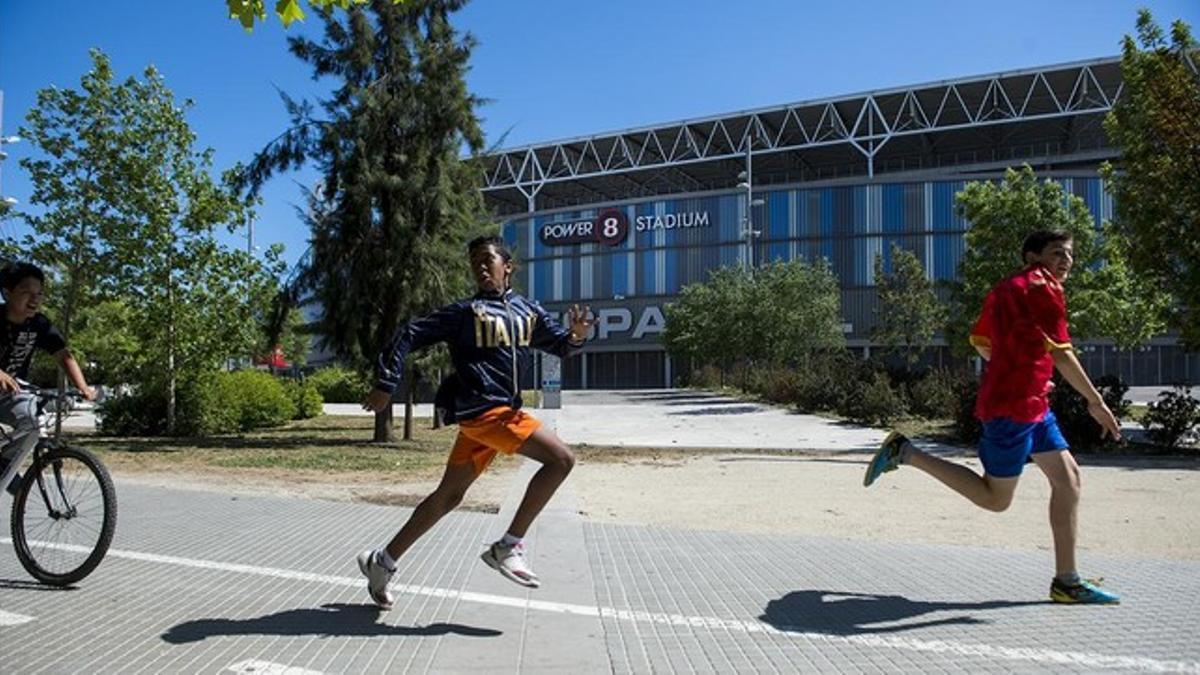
(854, 613)
(681, 396)
(729, 410)
(329, 620)
(26, 585)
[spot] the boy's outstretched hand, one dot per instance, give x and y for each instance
(7, 383)
(581, 322)
(1104, 417)
(377, 400)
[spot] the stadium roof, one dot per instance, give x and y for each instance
(1049, 116)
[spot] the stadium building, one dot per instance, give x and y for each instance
(621, 221)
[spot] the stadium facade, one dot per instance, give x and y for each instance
(622, 221)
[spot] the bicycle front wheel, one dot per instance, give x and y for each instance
(63, 516)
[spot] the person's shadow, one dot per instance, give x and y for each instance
(329, 620)
(838, 613)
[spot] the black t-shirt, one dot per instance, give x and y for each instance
(17, 341)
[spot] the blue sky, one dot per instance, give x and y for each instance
(553, 68)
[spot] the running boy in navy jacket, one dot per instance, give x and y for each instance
(489, 336)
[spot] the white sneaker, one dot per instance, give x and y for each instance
(510, 561)
(378, 577)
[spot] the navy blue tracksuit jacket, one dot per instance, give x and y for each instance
(490, 336)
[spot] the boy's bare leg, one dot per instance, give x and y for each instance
(1064, 476)
(989, 492)
(557, 461)
(449, 494)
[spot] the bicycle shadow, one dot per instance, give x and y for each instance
(331, 620)
(25, 585)
(840, 613)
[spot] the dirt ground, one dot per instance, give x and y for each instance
(1141, 507)
(486, 494)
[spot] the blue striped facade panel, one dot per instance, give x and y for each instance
(730, 255)
(948, 251)
(914, 207)
(624, 269)
(893, 208)
(646, 273)
(846, 225)
(778, 215)
(828, 223)
(777, 251)
(944, 210)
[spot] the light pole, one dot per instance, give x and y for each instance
(746, 183)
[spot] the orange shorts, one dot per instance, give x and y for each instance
(500, 429)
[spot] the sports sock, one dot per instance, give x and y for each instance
(508, 541)
(382, 557)
(1069, 578)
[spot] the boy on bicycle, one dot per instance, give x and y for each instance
(26, 329)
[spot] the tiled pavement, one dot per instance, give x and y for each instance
(208, 582)
(205, 582)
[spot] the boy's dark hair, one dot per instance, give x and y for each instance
(15, 273)
(1037, 241)
(498, 242)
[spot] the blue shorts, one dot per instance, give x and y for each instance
(1006, 445)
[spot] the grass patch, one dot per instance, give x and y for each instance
(1137, 412)
(326, 443)
(941, 431)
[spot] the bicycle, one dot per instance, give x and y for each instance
(64, 509)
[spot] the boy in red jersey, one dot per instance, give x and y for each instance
(1022, 333)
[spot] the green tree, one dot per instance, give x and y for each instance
(797, 308)
(784, 314)
(78, 135)
(1156, 183)
(132, 215)
(909, 312)
(1104, 298)
(276, 313)
(702, 327)
(248, 11)
(397, 204)
(107, 344)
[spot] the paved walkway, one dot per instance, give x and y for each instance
(202, 582)
(206, 582)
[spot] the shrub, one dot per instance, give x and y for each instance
(1172, 417)
(142, 412)
(777, 385)
(878, 403)
(260, 399)
(936, 395)
(830, 380)
(1077, 425)
(205, 404)
(967, 428)
(305, 397)
(339, 384)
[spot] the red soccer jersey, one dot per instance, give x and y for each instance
(1023, 318)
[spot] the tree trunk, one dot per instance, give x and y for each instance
(408, 414)
(383, 426)
(409, 399)
(59, 413)
(170, 349)
(437, 417)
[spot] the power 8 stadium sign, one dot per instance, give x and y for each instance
(609, 227)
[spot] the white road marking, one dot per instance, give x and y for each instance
(256, 667)
(1034, 655)
(13, 619)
